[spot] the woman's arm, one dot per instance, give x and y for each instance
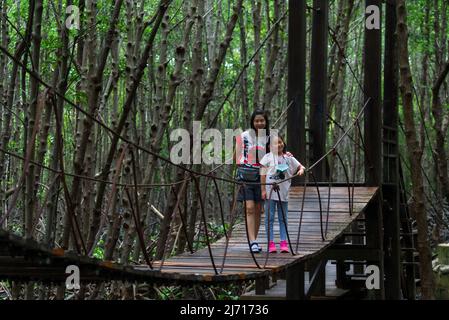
(237, 149)
(263, 180)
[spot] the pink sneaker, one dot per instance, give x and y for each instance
(271, 247)
(284, 246)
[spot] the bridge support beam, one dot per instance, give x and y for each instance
(391, 222)
(262, 284)
(341, 268)
(318, 87)
(295, 282)
(373, 126)
(317, 278)
(296, 132)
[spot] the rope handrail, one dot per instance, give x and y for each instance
(214, 178)
(194, 175)
(146, 150)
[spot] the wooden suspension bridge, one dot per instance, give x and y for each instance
(26, 260)
(322, 215)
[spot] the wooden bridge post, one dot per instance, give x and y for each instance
(372, 135)
(391, 159)
(341, 280)
(295, 282)
(318, 86)
(296, 134)
(317, 278)
(318, 97)
(262, 284)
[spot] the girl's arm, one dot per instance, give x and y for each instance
(301, 170)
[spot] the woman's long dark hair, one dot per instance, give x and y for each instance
(260, 112)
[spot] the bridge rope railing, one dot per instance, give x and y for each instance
(136, 215)
(212, 176)
(193, 175)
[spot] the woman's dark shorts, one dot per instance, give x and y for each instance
(250, 192)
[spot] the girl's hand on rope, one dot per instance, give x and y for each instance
(301, 171)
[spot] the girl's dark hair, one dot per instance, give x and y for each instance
(284, 150)
(260, 112)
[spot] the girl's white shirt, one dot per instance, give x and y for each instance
(269, 163)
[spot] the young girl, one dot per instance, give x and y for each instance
(277, 165)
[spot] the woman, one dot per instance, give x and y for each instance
(250, 149)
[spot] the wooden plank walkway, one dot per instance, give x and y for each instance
(239, 263)
(25, 259)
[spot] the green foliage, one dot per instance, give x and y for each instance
(170, 293)
(228, 294)
(5, 291)
(217, 231)
(16, 228)
(99, 250)
(225, 292)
